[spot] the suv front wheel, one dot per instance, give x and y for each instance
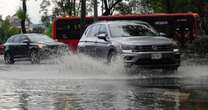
(112, 57)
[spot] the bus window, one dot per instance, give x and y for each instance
(68, 29)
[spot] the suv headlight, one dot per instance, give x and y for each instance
(127, 51)
(127, 48)
(175, 48)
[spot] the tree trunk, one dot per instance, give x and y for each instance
(70, 8)
(107, 12)
(74, 7)
(95, 11)
(83, 16)
(102, 7)
(23, 20)
(106, 8)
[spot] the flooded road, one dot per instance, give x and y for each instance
(77, 83)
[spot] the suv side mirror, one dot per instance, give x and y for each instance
(162, 34)
(102, 36)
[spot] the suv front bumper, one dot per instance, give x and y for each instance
(168, 59)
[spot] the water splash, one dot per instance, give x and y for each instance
(88, 67)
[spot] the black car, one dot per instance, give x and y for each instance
(136, 41)
(33, 47)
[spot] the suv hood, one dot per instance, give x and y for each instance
(144, 40)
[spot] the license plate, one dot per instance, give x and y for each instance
(156, 56)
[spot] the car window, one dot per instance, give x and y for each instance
(22, 38)
(130, 30)
(86, 31)
(11, 39)
(103, 29)
(93, 30)
(17, 39)
(39, 38)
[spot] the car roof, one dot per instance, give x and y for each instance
(28, 34)
(122, 22)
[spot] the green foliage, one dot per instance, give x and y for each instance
(65, 7)
(49, 30)
(179, 6)
(45, 20)
(157, 5)
(21, 14)
(7, 30)
(123, 8)
(198, 6)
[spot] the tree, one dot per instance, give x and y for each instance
(22, 14)
(65, 7)
(109, 5)
(133, 6)
(198, 6)
(7, 30)
(123, 8)
(83, 15)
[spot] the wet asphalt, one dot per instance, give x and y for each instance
(76, 83)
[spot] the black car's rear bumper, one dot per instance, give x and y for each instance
(146, 59)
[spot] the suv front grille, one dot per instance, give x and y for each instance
(156, 62)
(153, 48)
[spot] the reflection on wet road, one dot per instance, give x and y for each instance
(88, 85)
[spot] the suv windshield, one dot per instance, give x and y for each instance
(130, 30)
(39, 38)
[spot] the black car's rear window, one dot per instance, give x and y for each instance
(39, 38)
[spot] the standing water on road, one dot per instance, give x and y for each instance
(80, 82)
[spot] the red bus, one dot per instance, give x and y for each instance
(183, 27)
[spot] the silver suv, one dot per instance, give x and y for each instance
(136, 41)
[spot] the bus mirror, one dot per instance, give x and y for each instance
(162, 34)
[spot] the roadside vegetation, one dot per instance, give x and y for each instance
(7, 30)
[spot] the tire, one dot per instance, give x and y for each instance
(8, 58)
(112, 56)
(35, 57)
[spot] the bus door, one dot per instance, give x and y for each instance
(183, 30)
(68, 32)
